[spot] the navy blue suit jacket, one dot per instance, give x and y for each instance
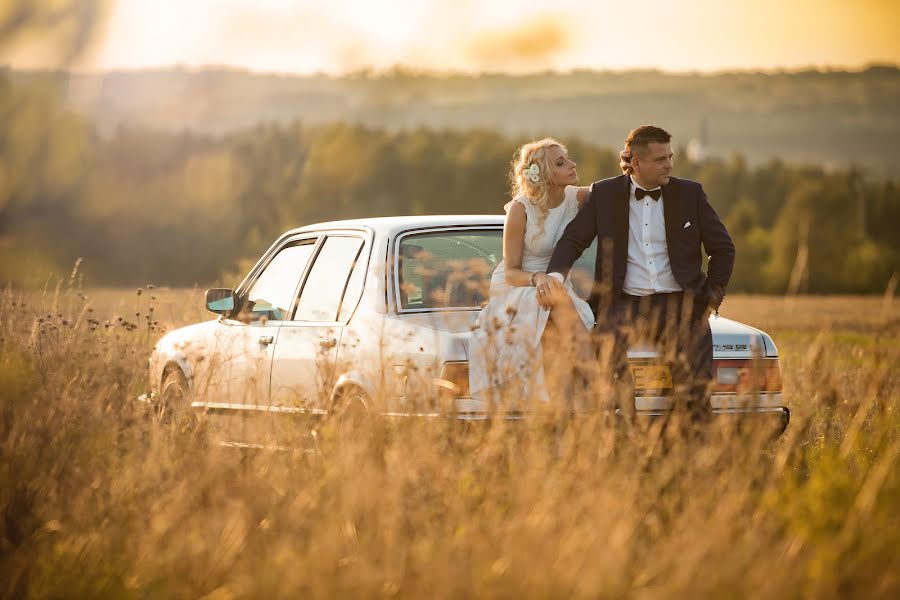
(605, 216)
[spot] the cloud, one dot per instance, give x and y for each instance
(533, 44)
(306, 36)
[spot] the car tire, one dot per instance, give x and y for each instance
(352, 406)
(352, 427)
(174, 396)
(352, 415)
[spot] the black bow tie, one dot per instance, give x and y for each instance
(639, 193)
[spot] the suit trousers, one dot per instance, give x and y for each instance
(676, 323)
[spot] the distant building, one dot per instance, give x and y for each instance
(697, 148)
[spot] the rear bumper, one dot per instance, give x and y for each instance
(775, 413)
(773, 421)
(780, 413)
(718, 402)
(743, 403)
(760, 408)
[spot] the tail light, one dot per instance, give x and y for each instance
(747, 375)
(455, 378)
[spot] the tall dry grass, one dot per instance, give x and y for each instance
(99, 499)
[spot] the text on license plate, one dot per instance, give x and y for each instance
(651, 376)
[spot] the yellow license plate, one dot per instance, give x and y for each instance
(651, 376)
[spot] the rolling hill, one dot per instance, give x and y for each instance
(830, 118)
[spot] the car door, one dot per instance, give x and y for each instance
(304, 358)
(241, 359)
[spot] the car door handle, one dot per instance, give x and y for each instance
(265, 340)
(327, 342)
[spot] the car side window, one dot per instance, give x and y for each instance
(270, 296)
(327, 280)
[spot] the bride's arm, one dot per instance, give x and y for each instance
(513, 246)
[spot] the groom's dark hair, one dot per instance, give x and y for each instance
(644, 135)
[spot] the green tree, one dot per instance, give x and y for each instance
(753, 245)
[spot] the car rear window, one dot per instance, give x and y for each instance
(452, 269)
(447, 269)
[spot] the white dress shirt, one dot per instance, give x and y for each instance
(648, 271)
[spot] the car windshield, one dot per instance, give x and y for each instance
(452, 269)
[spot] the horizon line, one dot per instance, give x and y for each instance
(408, 71)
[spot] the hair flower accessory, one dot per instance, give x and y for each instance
(533, 172)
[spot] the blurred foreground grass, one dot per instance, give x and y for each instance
(96, 499)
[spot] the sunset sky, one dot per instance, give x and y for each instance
(334, 36)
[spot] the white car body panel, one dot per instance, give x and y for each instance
(303, 364)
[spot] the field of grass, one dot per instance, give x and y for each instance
(99, 499)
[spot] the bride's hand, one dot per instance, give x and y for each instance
(625, 161)
(548, 289)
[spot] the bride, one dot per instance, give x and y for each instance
(507, 349)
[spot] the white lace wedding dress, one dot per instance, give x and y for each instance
(505, 346)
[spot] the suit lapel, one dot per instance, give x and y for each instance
(620, 222)
(671, 212)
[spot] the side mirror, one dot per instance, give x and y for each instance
(220, 301)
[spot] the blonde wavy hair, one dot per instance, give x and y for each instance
(538, 193)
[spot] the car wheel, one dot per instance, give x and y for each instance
(174, 396)
(351, 428)
(353, 410)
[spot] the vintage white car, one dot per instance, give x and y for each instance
(373, 316)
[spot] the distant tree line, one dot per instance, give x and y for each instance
(181, 209)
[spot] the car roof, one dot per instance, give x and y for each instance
(393, 225)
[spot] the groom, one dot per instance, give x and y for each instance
(652, 229)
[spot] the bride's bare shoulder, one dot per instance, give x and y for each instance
(515, 212)
(582, 193)
(516, 204)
